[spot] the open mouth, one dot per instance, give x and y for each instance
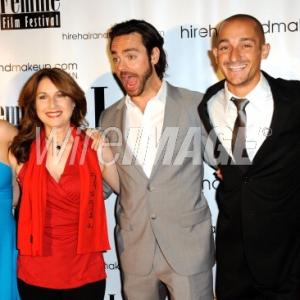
(129, 81)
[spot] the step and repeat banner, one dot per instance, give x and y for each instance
(72, 35)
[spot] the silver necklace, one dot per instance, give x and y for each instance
(63, 143)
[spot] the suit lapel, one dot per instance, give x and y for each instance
(116, 130)
(281, 110)
(171, 116)
(220, 152)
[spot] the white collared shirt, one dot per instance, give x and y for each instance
(223, 112)
(143, 130)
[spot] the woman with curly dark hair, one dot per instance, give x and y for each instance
(62, 229)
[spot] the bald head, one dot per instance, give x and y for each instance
(243, 17)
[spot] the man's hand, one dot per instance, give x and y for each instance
(219, 174)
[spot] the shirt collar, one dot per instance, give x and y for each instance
(260, 93)
(160, 97)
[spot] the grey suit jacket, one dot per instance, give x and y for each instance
(169, 208)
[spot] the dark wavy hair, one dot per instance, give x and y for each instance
(30, 121)
(150, 36)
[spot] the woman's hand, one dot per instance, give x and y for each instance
(96, 137)
(105, 157)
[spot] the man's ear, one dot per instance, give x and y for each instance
(215, 53)
(155, 55)
(265, 50)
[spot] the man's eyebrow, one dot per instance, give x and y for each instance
(126, 50)
(245, 39)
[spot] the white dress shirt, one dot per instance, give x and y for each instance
(143, 130)
(223, 112)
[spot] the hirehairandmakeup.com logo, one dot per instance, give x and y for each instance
(29, 14)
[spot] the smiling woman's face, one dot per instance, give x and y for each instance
(53, 107)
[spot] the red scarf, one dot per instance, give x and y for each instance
(92, 229)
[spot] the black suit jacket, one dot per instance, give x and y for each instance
(259, 205)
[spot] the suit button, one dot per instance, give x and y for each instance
(153, 216)
(150, 188)
(246, 179)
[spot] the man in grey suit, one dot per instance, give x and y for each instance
(163, 233)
